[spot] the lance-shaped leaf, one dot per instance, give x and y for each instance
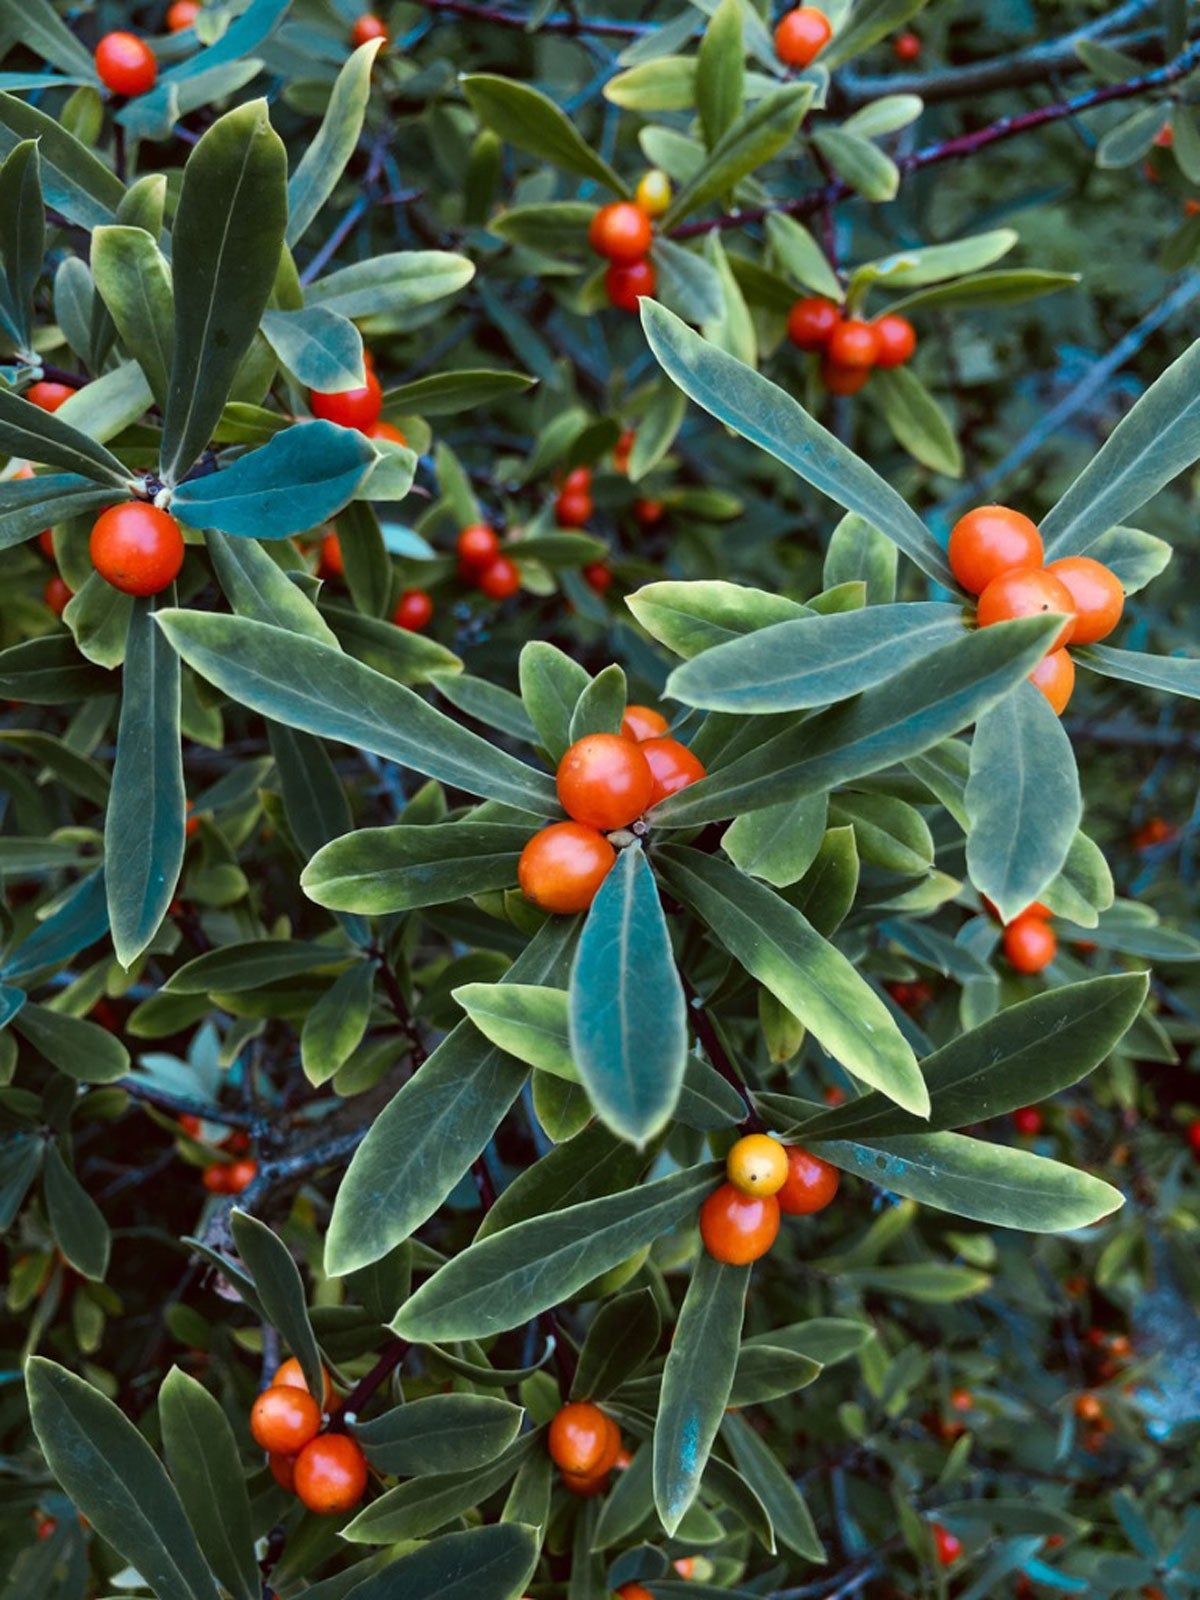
(377, 871)
(81, 1049)
(31, 504)
(1012, 286)
(116, 1481)
(693, 617)
(280, 1292)
(258, 588)
(525, 117)
(323, 162)
(310, 686)
(42, 30)
(134, 281)
(23, 219)
(502, 1281)
(78, 1223)
(492, 1562)
(299, 479)
(391, 283)
(696, 1382)
(36, 435)
(248, 965)
(144, 825)
(627, 1012)
(623, 1336)
(1174, 674)
(320, 348)
(80, 920)
(74, 178)
(440, 1433)
(227, 239)
(769, 417)
(759, 134)
(445, 393)
(531, 1022)
(335, 1026)
(202, 1457)
(806, 973)
(763, 1471)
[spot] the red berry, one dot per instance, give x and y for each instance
(598, 577)
(1027, 1120)
(283, 1419)
(56, 594)
(352, 408)
(330, 1474)
(648, 513)
(366, 28)
(500, 578)
(989, 541)
(137, 548)
(737, 1228)
(906, 46)
(125, 64)
(673, 765)
(620, 232)
(182, 15)
(478, 546)
(801, 35)
(946, 1545)
(811, 322)
(897, 340)
(625, 284)
(414, 610)
(605, 781)
(563, 866)
(573, 508)
(48, 396)
(1029, 944)
(810, 1184)
(330, 563)
(843, 380)
(854, 343)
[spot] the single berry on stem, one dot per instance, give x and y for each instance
(136, 547)
(621, 233)
(989, 541)
(896, 339)
(738, 1228)
(125, 64)
(478, 546)
(604, 781)
(801, 35)
(563, 866)
(810, 1185)
(757, 1164)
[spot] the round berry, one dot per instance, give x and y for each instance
(801, 35)
(621, 233)
(853, 343)
(284, 1418)
(500, 578)
(1193, 1136)
(1055, 677)
(598, 577)
(577, 481)
(653, 194)
(961, 1399)
(414, 610)
(290, 1375)
(563, 866)
(648, 513)
(625, 283)
(634, 1591)
(240, 1176)
(125, 64)
(1089, 1408)
(216, 1178)
(351, 408)
(46, 543)
(1027, 592)
(330, 563)
(811, 322)
(757, 1164)
(1097, 593)
(642, 722)
(604, 781)
(989, 541)
(48, 396)
(896, 338)
(388, 432)
(1027, 1120)
(673, 765)
(57, 594)
(1030, 944)
(947, 1546)
(843, 380)
(582, 1440)
(810, 1184)
(182, 15)
(136, 547)
(366, 28)
(573, 508)
(331, 1475)
(738, 1228)
(906, 46)
(478, 546)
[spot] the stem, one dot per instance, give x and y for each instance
(559, 23)
(182, 1105)
(399, 1006)
(716, 1052)
(367, 1387)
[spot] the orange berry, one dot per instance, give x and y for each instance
(685, 1566)
(626, 282)
(57, 594)
(283, 1419)
(991, 540)
(388, 432)
(500, 578)
(573, 508)
(961, 1399)
(331, 1474)
(1165, 137)
(478, 546)
(414, 610)
(947, 1546)
(290, 1375)
(598, 577)
(853, 343)
(757, 1164)
(182, 15)
(673, 765)
(136, 547)
(605, 781)
(1155, 831)
(634, 1591)
(125, 64)
(352, 408)
(1027, 592)
(582, 1440)
(843, 380)
(585, 1488)
(1055, 677)
(1029, 944)
(801, 35)
(738, 1228)
(896, 338)
(810, 1184)
(1097, 593)
(906, 46)
(366, 28)
(621, 233)
(330, 563)
(47, 396)
(811, 321)
(642, 722)
(563, 866)
(622, 450)
(241, 1175)
(1088, 1408)
(216, 1178)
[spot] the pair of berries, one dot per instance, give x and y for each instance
(740, 1220)
(801, 35)
(849, 347)
(1029, 942)
(230, 1177)
(481, 563)
(997, 554)
(622, 234)
(126, 64)
(573, 508)
(605, 781)
(326, 1471)
(584, 1444)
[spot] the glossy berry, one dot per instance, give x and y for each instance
(387, 432)
(843, 380)
(1027, 1120)
(624, 284)
(57, 594)
(1165, 137)
(414, 610)
(604, 781)
(48, 396)
(500, 578)
(573, 508)
(673, 765)
(896, 339)
(125, 64)
(136, 547)
(290, 1375)
(330, 563)
(182, 15)
(801, 35)
(582, 1440)
(478, 546)
(1027, 592)
(853, 343)
(577, 481)
(653, 194)
(946, 1545)
(331, 1475)
(991, 540)
(1097, 593)
(284, 1418)
(367, 28)
(563, 866)
(642, 722)
(1055, 677)
(352, 408)
(811, 322)
(738, 1228)
(598, 577)
(757, 1164)
(621, 233)
(810, 1184)
(1029, 944)
(906, 46)
(961, 1399)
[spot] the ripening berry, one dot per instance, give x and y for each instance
(1029, 944)
(136, 547)
(642, 722)
(896, 338)
(478, 546)
(801, 35)
(182, 15)
(500, 578)
(853, 343)
(738, 1228)
(290, 1375)
(1027, 592)
(1089, 1408)
(573, 508)
(1097, 593)
(283, 1470)
(414, 610)
(331, 1475)
(625, 284)
(906, 46)
(388, 432)
(366, 28)
(598, 577)
(1055, 677)
(604, 781)
(1165, 137)
(673, 765)
(947, 1546)
(284, 1418)
(757, 1164)
(843, 380)
(57, 594)
(582, 1440)
(1027, 1120)
(810, 1184)
(125, 64)
(330, 563)
(621, 233)
(685, 1566)
(352, 408)
(811, 322)
(961, 1399)
(577, 481)
(653, 194)
(991, 540)
(48, 396)
(192, 1126)
(563, 866)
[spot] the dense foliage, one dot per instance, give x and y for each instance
(776, 1176)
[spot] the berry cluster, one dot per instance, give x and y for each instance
(605, 782)
(574, 506)
(997, 554)
(740, 1220)
(324, 1468)
(585, 1445)
(481, 563)
(622, 233)
(220, 1176)
(849, 347)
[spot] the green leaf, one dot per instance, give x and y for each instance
(445, 394)
(623, 1336)
(378, 871)
(768, 1372)
(1022, 798)
(860, 163)
(487, 702)
(776, 945)
(934, 263)
(762, 1470)
(691, 617)
(551, 684)
(80, 920)
(335, 1026)
(31, 504)
(227, 239)
(258, 588)
(769, 417)
(601, 705)
(889, 833)
(20, 1161)
(36, 435)
(42, 30)
(657, 430)
(870, 21)
(591, 1163)
(667, 84)
(78, 1224)
(80, 1049)
(1174, 674)
(324, 160)
(801, 256)
(627, 1012)
(280, 1292)
(115, 1480)
(202, 1457)
(296, 481)
(928, 1282)
(917, 421)
(391, 284)
(689, 281)
(75, 180)
(320, 348)
(425, 1504)
(251, 964)
(857, 552)
(528, 1021)
(526, 118)
(492, 1563)
(720, 71)
(504, 1280)
(440, 1433)
(309, 686)
(780, 842)
(23, 219)
(1131, 139)
(758, 135)
(144, 824)
(1006, 288)
(134, 281)
(696, 1382)
(886, 115)
(1134, 557)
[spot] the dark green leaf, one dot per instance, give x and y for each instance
(75, 180)
(621, 1339)
(324, 160)
(446, 393)
(482, 1564)
(440, 1433)
(377, 871)
(134, 281)
(761, 1468)
(78, 1224)
(202, 1457)
(82, 1050)
(320, 348)
(301, 478)
(280, 1292)
(1174, 674)
(524, 117)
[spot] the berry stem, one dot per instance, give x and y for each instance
(399, 1006)
(368, 1386)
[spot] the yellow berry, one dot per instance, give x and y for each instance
(757, 1164)
(654, 193)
